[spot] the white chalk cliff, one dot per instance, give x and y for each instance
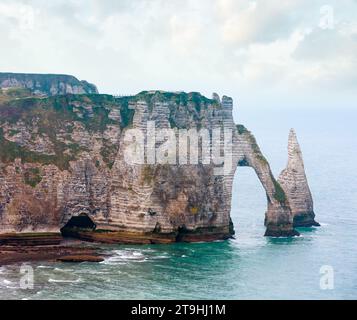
(294, 182)
(62, 156)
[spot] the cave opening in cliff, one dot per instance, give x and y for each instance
(181, 231)
(76, 224)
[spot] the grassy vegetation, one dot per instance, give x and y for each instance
(51, 115)
(175, 99)
(14, 93)
(126, 113)
(148, 174)
(241, 129)
(13, 132)
(255, 147)
(9, 151)
(33, 177)
(279, 194)
(108, 153)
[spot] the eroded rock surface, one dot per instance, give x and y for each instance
(278, 218)
(63, 156)
(294, 182)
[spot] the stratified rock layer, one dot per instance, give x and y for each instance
(293, 181)
(64, 156)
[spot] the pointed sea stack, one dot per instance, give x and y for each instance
(294, 182)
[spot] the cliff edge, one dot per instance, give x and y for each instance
(46, 84)
(64, 167)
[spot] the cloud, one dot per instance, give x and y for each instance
(244, 22)
(127, 46)
(20, 15)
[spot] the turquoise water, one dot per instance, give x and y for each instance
(250, 266)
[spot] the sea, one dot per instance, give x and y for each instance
(319, 264)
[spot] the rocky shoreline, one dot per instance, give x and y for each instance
(137, 237)
(79, 245)
(66, 250)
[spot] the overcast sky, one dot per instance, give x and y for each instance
(275, 53)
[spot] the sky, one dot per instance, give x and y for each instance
(296, 53)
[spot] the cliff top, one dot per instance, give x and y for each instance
(46, 84)
(62, 84)
(26, 118)
(37, 76)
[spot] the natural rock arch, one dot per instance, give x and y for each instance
(278, 217)
(88, 173)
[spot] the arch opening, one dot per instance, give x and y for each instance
(249, 202)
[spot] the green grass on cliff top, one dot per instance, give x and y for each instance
(55, 114)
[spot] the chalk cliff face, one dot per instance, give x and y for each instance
(293, 181)
(46, 84)
(63, 156)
